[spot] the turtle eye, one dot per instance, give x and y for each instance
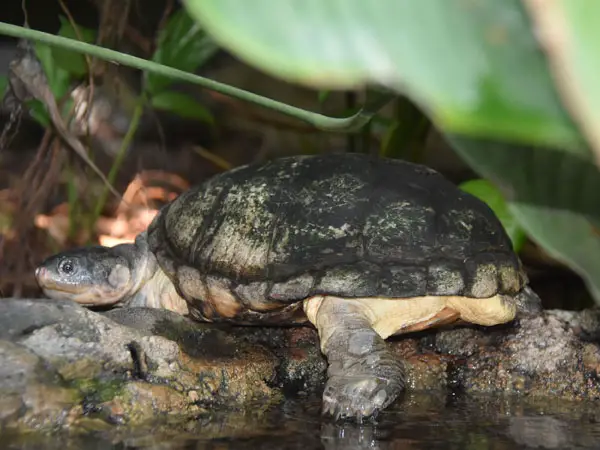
(67, 266)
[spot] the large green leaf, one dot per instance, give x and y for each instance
(474, 65)
(555, 196)
(183, 45)
(570, 33)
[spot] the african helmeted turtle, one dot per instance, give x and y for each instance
(361, 247)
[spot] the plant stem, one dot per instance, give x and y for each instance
(346, 124)
(114, 170)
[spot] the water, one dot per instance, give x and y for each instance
(419, 422)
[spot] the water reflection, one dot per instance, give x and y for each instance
(419, 422)
(540, 432)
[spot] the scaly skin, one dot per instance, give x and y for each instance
(364, 377)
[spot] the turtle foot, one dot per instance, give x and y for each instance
(361, 396)
(364, 376)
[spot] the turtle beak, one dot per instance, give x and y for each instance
(41, 274)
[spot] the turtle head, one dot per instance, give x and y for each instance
(91, 276)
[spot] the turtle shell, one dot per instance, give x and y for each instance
(261, 238)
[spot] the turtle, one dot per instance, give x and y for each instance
(360, 247)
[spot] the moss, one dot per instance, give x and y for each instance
(96, 391)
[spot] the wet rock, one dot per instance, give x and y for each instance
(540, 356)
(61, 362)
(62, 365)
(31, 393)
(301, 368)
(585, 324)
(459, 342)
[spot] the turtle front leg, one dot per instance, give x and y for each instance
(364, 377)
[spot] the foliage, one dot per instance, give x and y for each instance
(349, 124)
(3, 84)
(72, 62)
(569, 32)
(511, 84)
(323, 95)
(552, 193)
(61, 68)
(405, 136)
(183, 45)
(475, 66)
(182, 105)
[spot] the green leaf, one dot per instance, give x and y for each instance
(70, 61)
(490, 194)
(405, 137)
(475, 66)
(182, 105)
(183, 45)
(39, 113)
(58, 78)
(3, 85)
(322, 96)
(60, 66)
(552, 193)
(574, 56)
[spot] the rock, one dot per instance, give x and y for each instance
(541, 356)
(61, 362)
(32, 393)
(585, 324)
(62, 365)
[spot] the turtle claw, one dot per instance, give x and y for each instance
(364, 376)
(357, 398)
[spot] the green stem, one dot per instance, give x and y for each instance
(72, 197)
(346, 124)
(114, 170)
